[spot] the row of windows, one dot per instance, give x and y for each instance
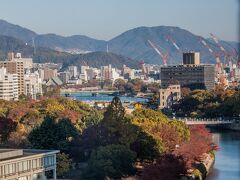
(26, 165)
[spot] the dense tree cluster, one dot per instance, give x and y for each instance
(113, 144)
(209, 103)
(49, 123)
(134, 86)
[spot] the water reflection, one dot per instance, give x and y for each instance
(227, 165)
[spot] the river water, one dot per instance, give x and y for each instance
(87, 97)
(227, 164)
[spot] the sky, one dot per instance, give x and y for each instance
(105, 19)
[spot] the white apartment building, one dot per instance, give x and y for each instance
(83, 69)
(73, 71)
(8, 85)
(33, 84)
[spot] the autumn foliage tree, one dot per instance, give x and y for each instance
(200, 143)
(166, 167)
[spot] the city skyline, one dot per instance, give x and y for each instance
(107, 19)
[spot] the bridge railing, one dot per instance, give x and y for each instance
(189, 119)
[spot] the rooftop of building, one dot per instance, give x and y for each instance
(10, 154)
(187, 65)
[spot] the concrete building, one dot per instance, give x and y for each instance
(168, 95)
(128, 73)
(83, 69)
(27, 62)
(8, 85)
(73, 71)
(49, 73)
(106, 72)
(33, 84)
(91, 73)
(64, 76)
(21, 164)
(191, 58)
(15, 67)
(191, 74)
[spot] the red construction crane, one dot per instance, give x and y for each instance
(169, 38)
(216, 55)
(164, 57)
(227, 55)
(220, 74)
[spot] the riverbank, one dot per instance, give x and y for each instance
(203, 168)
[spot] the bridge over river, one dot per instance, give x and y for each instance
(204, 121)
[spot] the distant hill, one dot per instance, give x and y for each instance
(132, 43)
(16, 31)
(76, 42)
(42, 55)
(97, 59)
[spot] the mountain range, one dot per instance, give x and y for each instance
(132, 43)
(43, 54)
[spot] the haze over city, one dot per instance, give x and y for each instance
(104, 19)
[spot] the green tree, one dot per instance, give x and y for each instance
(115, 128)
(113, 161)
(94, 118)
(119, 84)
(63, 164)
(53, 135)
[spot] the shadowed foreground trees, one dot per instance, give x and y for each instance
(52, 134)
(7, 126)
(113, 161)
(166, 167)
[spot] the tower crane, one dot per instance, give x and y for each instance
(227, 55)
(164, 57)
(220, 73)
(169, 38)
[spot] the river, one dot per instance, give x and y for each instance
(87, 97)
(227, 164)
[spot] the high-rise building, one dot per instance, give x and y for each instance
(64, 76)
(73, 71)
(191, 74)
(8, 85)
(33, 85)
(83, 69)
(106, 72)
(15, 67)
(27, 62)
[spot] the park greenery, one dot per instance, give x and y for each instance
(112, 143)
(219, 102)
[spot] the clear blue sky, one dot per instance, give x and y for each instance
(104, 19)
